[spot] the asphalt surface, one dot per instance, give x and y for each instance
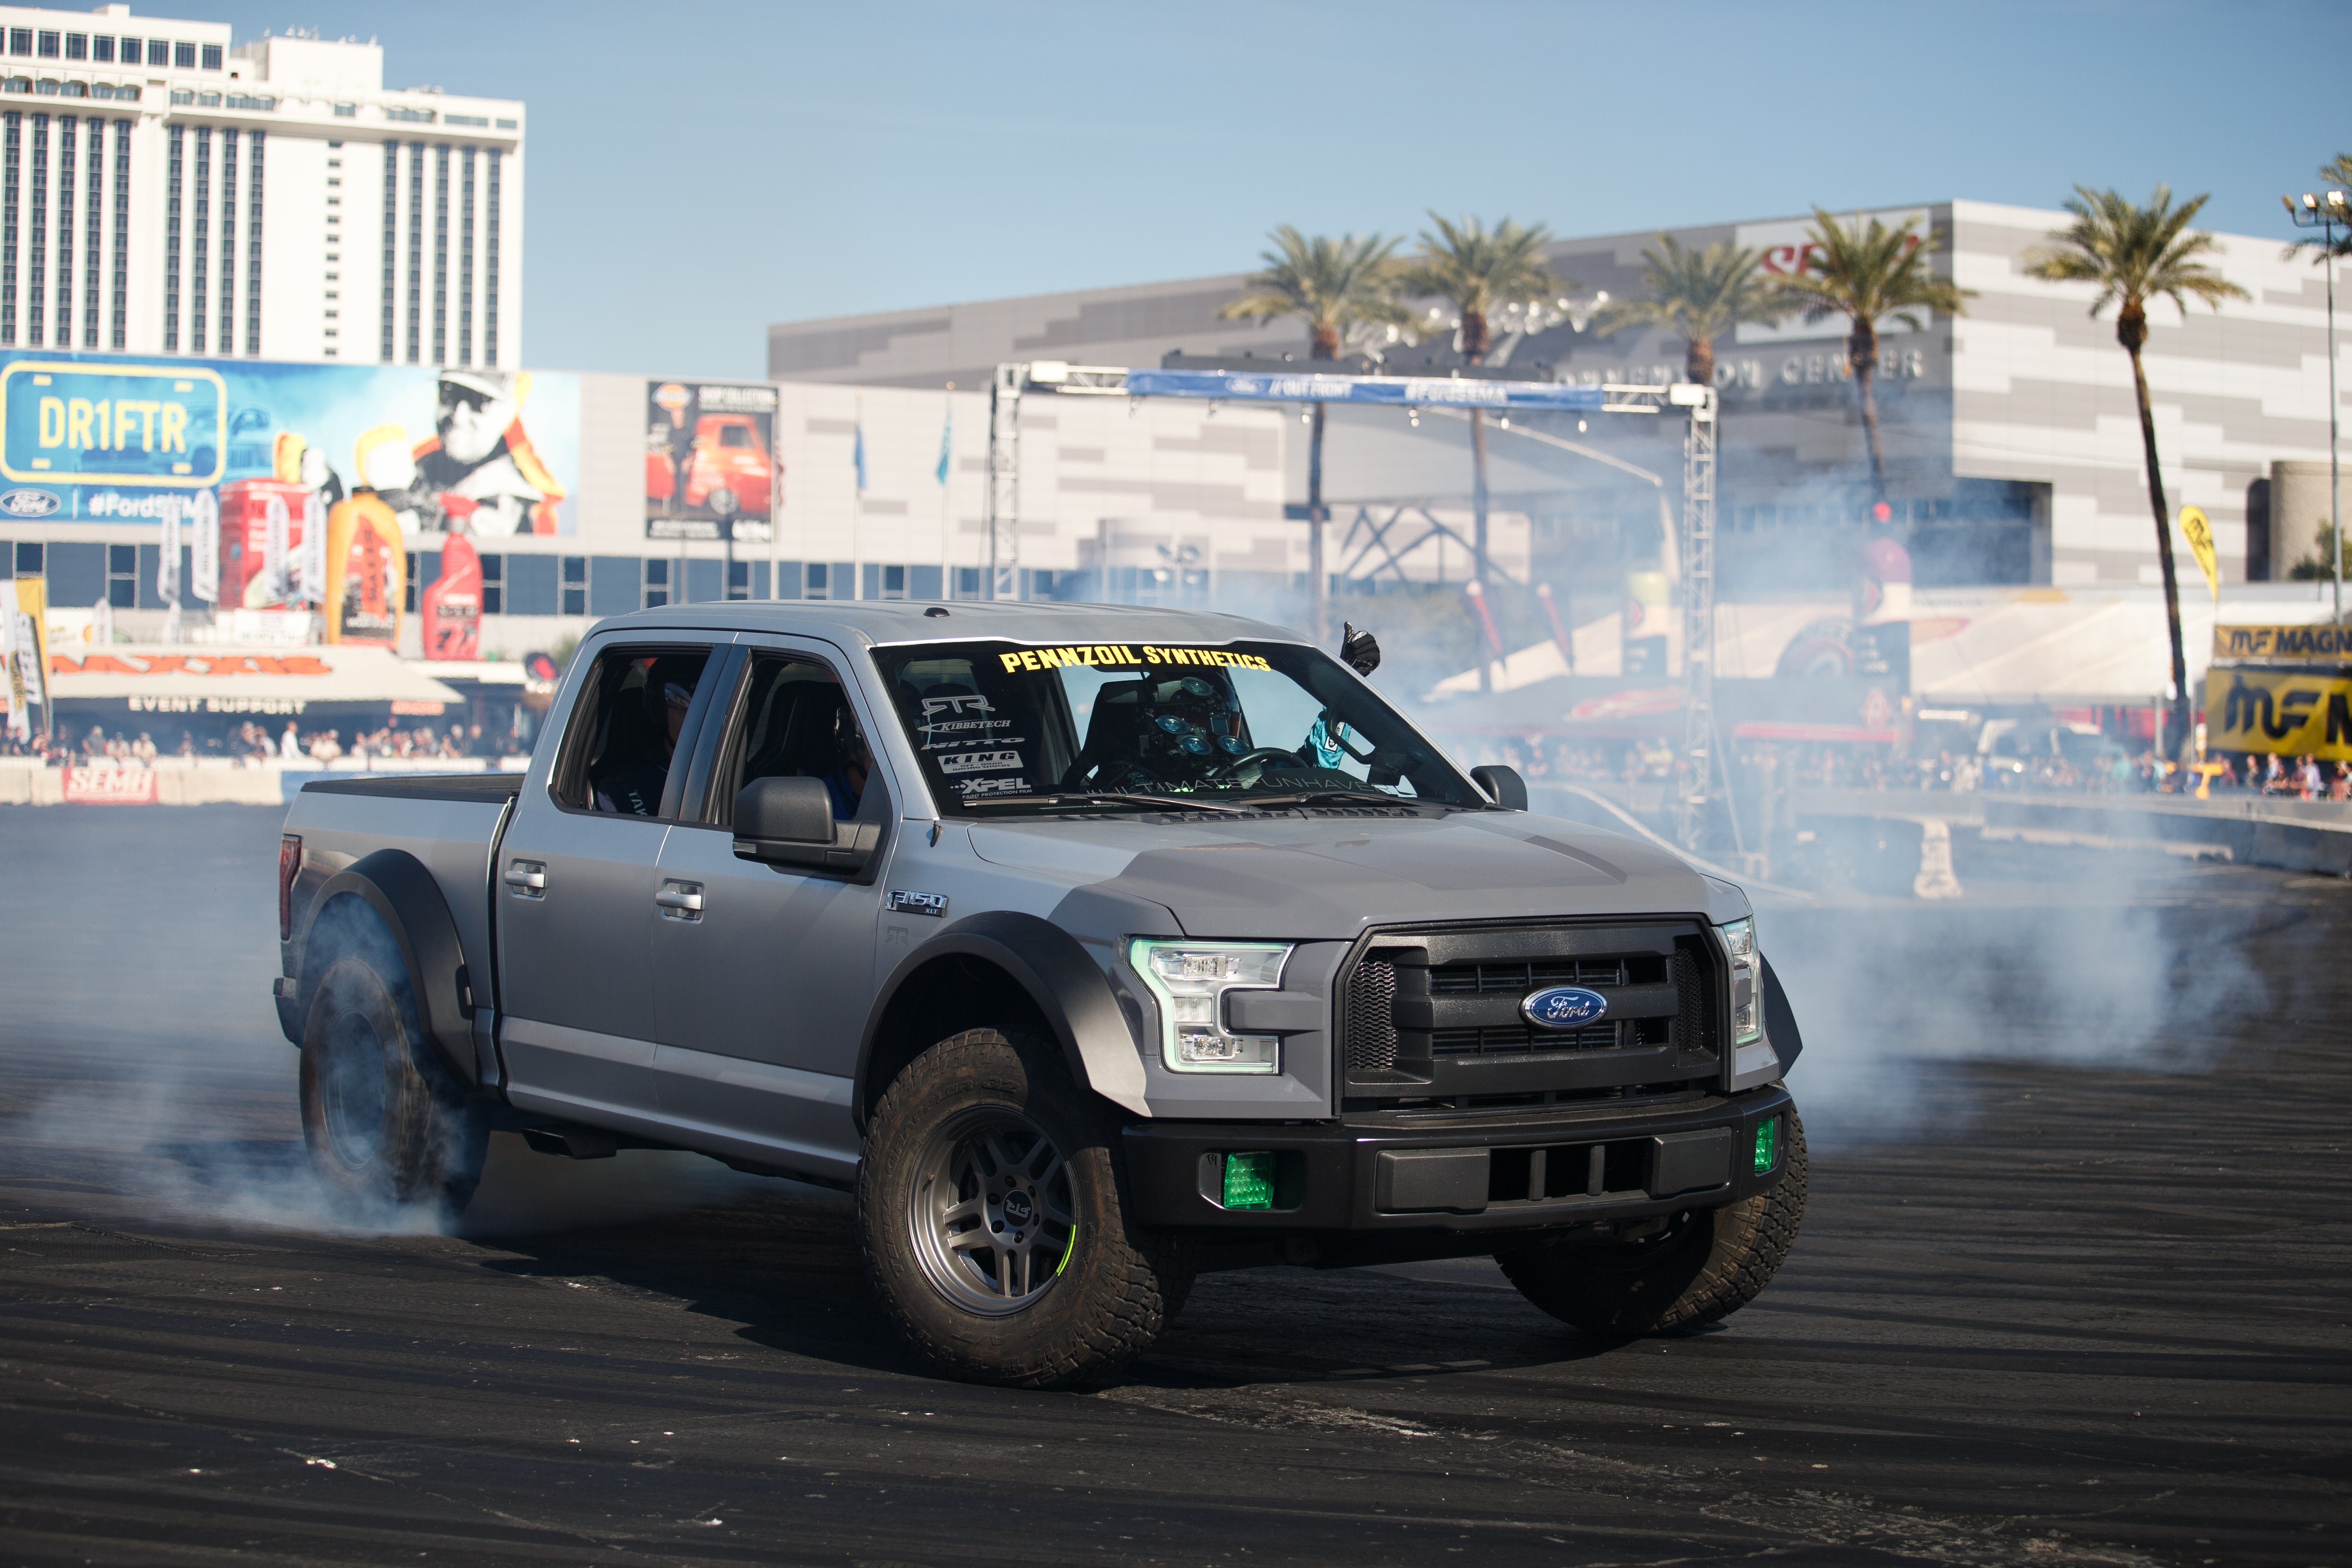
(2072, 1290)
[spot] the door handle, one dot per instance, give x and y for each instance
(680, 901)
(527, 878)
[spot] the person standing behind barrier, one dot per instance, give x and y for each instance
(290, 744)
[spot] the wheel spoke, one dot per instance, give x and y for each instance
(1051, 1209)
(974, 1207)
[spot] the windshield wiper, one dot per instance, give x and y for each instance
(1338, 798)
(1166, 802)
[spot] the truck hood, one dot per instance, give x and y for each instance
(1328, 876)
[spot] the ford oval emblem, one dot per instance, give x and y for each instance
(1565, 1007)
(28, 503)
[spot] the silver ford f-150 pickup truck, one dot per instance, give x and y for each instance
(1092, 947)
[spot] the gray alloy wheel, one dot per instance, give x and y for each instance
(990, 1215)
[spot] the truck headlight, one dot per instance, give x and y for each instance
(1191, 979)
(1746, 981)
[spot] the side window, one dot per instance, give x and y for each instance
(623, 736)
(795, 721)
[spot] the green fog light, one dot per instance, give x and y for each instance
(1249, 1180)
(1767, 1145)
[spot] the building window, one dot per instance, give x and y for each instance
(183, 57)
(159, 52)
(48, 50)
(211, 56)
(466, 261)
(472, 122)
(93, 236)
(121, 324)
(28, 558)
(347, 111)
(66, 148)
(122, 576)
(441, 255)
(494, 584)
(656, 589)
(391, 273)
(37, 279)
(491, 269)
(172, 243)
(253, 248)
(101, 49)
(410, 116)
(575, 585)
(416, 244)
(816, 584)
(76, 45)
(11, 156)
(228, 338)
(508, 125)
(20, 40)
(738, 579)
(894, 581)
(201, 232)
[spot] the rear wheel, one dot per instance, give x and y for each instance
(989, 1204)
(1706, 1264)
(387, 1126)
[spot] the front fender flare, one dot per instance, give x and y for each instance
(404, 895)
(1053, 968)
(1780, 1021)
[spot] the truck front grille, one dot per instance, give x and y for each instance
(1431, 1016)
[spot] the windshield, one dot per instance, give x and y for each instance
(1005, 728)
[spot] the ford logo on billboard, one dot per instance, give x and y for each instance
(28, 503)
(1565, 1007)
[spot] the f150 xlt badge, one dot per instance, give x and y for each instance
(1564, 1008)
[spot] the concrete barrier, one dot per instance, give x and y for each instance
(196, 780)
(2289, 835)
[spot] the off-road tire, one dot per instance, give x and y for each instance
(1708, 1264)
(1116, 1287)
(388, 1127)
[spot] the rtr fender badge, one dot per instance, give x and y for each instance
(1564, 1008)
(903, 903)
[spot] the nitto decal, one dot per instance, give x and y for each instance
(980, 762)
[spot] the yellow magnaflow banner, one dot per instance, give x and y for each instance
(2278, 710)
(2285, 645)
(2200, 539)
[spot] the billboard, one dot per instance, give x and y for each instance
(115, 439)
(711, 470)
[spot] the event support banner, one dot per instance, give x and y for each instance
(711, 470)
(2323, 644)
(24, 656)
(1393, 390)
(2289, 712)
(114, 438)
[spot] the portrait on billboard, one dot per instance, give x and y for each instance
(711, 470)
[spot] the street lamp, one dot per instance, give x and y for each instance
(2328, 214)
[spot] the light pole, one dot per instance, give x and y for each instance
(2327, 214)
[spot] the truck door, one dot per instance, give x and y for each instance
(578, 877)
(763, 983)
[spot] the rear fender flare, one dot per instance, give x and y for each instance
(404, 895)
(1053, 968)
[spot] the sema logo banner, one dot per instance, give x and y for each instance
(123, 425)
(2287, 712)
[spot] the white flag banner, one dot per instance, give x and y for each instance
(20, 718)
(205, 568)
(167, 558)
(312, 586)
(277, 542)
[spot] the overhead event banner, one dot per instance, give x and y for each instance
(115, 439)
(25, 656)
(2324, 643)
(1393, 390)
(2285, 712)
(711, 470)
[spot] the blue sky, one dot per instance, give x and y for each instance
(697, 171)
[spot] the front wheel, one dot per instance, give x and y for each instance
(990, 1209)
(1706, 1264)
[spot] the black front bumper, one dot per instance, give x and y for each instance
(1492, 1174)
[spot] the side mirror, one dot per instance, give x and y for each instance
(789, 822)
(1502, 785)
(1359, 650)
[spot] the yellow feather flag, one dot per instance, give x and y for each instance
(2200, 539)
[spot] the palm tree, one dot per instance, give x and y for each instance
(1338, 287)
(1480, 271)
(1868, 275)
(2133, 254)
(1698, 296)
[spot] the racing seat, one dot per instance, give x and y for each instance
(1114, 732)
